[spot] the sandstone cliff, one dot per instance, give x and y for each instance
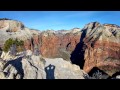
(14, 29)
(96, 45)
(100, 47)
(52, 44)
(59, 44)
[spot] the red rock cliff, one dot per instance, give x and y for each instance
(53, 44)
(102, 48)
(95, 45)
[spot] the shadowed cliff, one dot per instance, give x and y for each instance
(77, 56)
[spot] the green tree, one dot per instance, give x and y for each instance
(19, 45)
(16, 42)
(8, 44)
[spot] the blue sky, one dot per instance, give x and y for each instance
(58, 20)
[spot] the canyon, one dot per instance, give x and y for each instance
(95, 45)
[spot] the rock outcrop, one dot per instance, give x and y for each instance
(38, 67)
(14, 29)
(64, 69)
(102, 47)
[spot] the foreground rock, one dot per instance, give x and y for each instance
(64, 69)
(37, 67)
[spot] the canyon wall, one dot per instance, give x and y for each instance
(102, 47)
(96, 45)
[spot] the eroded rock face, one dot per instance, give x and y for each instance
(95, 45)
(14, 29)
(11, 25)
(38, 67)
(54, 44)
(102, 44)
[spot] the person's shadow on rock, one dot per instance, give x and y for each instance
(50, 71)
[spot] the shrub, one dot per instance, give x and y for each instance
(8, 44)
(12, 44)
(20, 48)
(96, 75)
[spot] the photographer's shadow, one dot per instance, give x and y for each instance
(50, 71)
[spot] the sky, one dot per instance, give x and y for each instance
(57, 20)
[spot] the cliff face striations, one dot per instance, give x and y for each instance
(102, 50)
(96, 45)
(54, 44)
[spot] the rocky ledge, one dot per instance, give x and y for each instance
(38, 67)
